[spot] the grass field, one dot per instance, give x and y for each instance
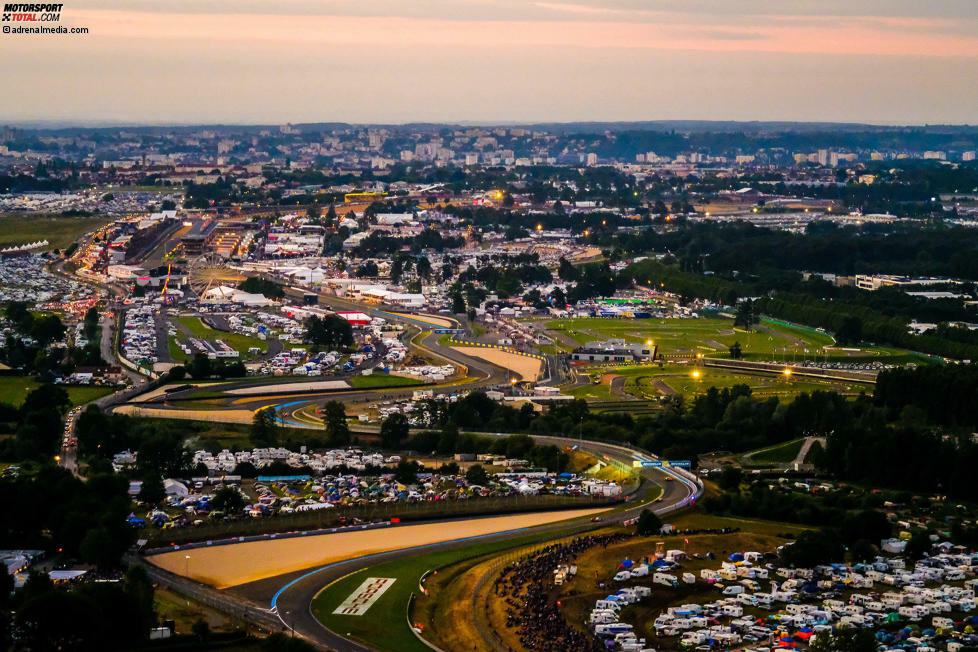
(176, 353)
(771, 339)
(14, 389)
(650, 381)
(59, 231)
(237, 341)
(381, 380)
(780, 454)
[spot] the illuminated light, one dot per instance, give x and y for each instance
(604, 222)
(755, 210)
(787, 372)
(499, 194)
(539, 227)
(696, 374)
(668, 218)
(707, 213)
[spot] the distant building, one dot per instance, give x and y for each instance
(614, 350)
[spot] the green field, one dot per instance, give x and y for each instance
(59, 231)
(652, 381)
(176, 353)
(599, 392)
(384, 626)
(381, 380)
(237, 341)
(779, 454)
(712, 337)
(14, 389)
(709, 336)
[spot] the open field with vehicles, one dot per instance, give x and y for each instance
(237, 341)
(14, 389)
(59, 231)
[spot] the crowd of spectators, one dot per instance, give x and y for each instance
(526, 586)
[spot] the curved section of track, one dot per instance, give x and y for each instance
(291, 596)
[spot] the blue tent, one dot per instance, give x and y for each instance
(736, 557)
(657, 563)
(628, 563)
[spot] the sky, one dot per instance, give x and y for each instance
(396, 61)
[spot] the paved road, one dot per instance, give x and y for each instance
(291, 595)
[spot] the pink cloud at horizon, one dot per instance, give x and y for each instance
(870, 36)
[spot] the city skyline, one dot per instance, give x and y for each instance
(496, 61)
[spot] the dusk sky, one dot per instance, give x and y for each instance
(243, 61)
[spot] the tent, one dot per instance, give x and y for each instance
(736, 557)
(628, 563)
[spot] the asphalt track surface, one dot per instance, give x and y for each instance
(290, 596)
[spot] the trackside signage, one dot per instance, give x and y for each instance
(365, 595)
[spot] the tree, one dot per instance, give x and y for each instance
(200, 367)
(152, 491)
(394, 430)
(397, 270)
(163, 453)
(730, 477)
(746, 316)
(558, 298)
(648, 524)
(201, 630)
(331, 331)
(811, 548)
(228, 500)
(735, 351)
(851, 331)
(844, 640)
(406, 472)
(264, 429)
(458, 303)
(477, 475)
(566, 271)
(334, 421)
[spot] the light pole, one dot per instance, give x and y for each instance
(186, 569)
(291, 628)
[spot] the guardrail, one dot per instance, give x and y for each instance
(417, 634)
(235, 606)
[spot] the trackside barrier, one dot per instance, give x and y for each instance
(417, 634)
(246, 611)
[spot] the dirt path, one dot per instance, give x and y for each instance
(809, 442)
(663, 389)
(616, 384)
(791, 338)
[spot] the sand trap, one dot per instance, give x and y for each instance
(220, 416)
(291, 387)
(239, 563)
(525, 367)
(428, 319)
